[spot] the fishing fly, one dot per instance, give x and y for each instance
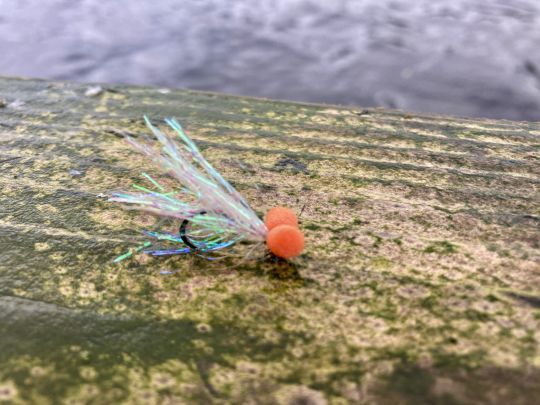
(205, 212)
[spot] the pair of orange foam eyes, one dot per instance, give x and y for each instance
(284, 239)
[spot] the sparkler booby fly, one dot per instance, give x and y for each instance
(211, 213)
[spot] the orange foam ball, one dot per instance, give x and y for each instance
(280, 216)
(285, 241)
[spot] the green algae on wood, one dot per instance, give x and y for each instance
(420, 282)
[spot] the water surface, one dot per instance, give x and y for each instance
(464, 57)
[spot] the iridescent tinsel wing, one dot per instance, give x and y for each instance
(217, 214)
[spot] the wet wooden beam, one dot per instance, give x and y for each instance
(420, 282)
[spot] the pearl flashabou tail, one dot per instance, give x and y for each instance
(218, 216)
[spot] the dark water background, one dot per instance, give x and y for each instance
(464, 57)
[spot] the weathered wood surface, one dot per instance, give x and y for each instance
(420, 282)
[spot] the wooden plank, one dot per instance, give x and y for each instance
(420, 281)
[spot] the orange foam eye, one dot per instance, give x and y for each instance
(285, 241)
(280, 216)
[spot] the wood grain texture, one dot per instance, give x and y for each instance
(420, 282)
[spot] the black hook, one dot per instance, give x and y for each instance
(183, 235)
